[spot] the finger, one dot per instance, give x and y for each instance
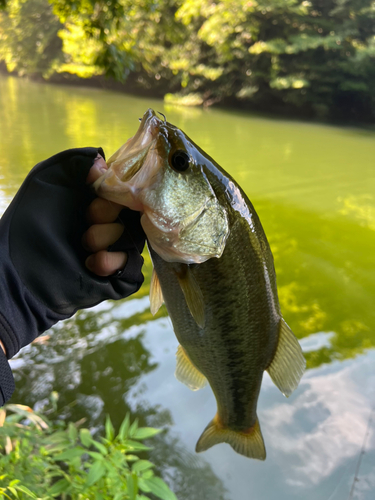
(105, 263)
(100, 236)
(98, 169)
(102, 211)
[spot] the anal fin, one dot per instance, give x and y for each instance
(187, 373)
(156, 295)
(193, 295)
(288, 364)
(249, 444)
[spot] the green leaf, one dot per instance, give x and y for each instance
(132, 482)
(124, 428)
(59, 436)
(143, 485)
(69, 454)
(145, 432)
(142, 465)
(133, 428)
(26, 491)
(142, 497)
(96, 455)
(58, 488)
(100, 447)
(55, 448)
(109, 429)
(132, 458)
(159, 488)
(72, 432)
(13, 490)
(85, 437)
(96, 472)
(14, 482)
(135, 446)
(147, 474)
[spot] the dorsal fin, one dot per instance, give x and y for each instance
(187, 373)
(156, 295)
(288, 364)
(193, 294)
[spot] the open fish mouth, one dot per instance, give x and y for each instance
(147, 132)
(127, 162)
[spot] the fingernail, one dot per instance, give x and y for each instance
(90, 262)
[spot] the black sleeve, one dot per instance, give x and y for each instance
(43, 278)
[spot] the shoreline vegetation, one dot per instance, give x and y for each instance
(45, 458)
(306, 59)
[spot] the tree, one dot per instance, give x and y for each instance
(29, 42)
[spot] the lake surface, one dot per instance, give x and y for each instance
(313, 187)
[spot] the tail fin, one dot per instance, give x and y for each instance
(249, 443)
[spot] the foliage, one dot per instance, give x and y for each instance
(315, 56)
(44, 460)
(29, 42)
(312, 57)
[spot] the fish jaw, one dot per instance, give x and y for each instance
(132, 166)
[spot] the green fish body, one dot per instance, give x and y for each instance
(214, 270)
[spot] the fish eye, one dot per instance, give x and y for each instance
(180, 161)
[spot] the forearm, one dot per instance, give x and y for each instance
(21, 320)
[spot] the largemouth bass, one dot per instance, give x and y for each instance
(214, 270)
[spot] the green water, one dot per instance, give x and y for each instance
(313, 187)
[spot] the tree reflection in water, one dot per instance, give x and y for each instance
(92, 361)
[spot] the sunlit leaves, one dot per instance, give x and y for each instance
(28, 37)
(53, 462)
(308, 57)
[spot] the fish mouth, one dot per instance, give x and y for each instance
(127, 161)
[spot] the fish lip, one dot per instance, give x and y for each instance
(150, 124)
(148, 131)
(136, 148)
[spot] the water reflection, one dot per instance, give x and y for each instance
(318, 213)
(326, 278)
(98, 364)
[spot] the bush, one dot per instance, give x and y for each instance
(43, 460)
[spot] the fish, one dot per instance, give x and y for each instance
(214, 270)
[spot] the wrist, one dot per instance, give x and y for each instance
(3, 347)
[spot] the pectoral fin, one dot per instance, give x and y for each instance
(288, 364)
(187, 373)
(193, 295)
(156, 295)
(249, 443)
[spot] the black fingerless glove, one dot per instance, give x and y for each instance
(43, 277)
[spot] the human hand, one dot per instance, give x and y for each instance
(43, 277)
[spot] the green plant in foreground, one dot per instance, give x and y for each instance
(41, 460)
